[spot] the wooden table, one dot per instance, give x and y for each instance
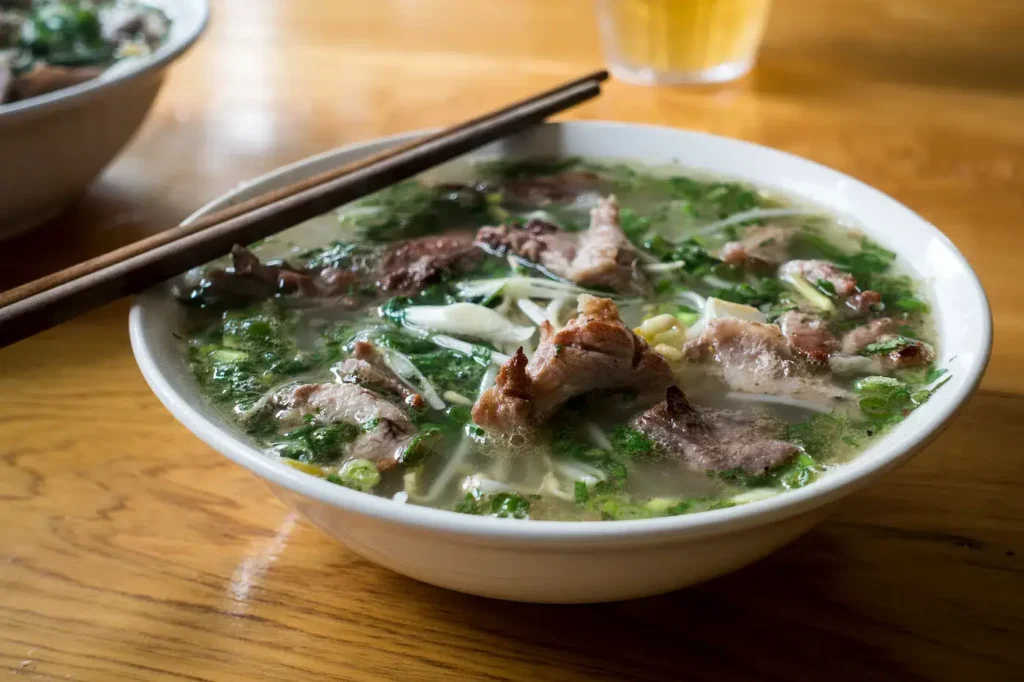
(130, 551)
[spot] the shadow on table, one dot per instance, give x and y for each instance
(769, 621)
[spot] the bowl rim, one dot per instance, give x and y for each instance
(475, 529)
(161, 57)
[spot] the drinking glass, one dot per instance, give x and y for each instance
(681, 41)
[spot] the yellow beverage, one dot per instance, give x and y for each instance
(656, 41)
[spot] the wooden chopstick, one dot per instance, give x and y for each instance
(63, 295)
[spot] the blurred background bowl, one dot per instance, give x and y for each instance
(53, 146)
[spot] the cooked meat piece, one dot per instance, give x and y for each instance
(408, 266)
(756, 358)
(899, 351)
(600, 256)
(10, 28)
(857, 302)
(404, 267)
(808, 335)
(249, 281)
(856, 340)
(715, 440)
(604, 256)
(538, 241)
(593, 352)
(906, 352)
(813, 270)
(553, 189)
(367, 368)
(131, 23)
(761, 245)
(6, 81)
(352, 404)
(44, 78)
(861, 303)
(508, 405)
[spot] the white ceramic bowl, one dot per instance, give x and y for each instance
(56, 144)
(547, 561)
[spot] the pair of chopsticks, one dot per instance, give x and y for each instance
(61, 296)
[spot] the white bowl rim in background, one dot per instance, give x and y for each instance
(189, 20)
(894, 448)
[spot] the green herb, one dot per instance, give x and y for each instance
(358, 474)
(249, 351)
(500, 505)
(630, 443)
(318, 444)
(411, 209)
(887, 346)
(422, 445)
(819, 434)
(566, 443)
(826, 287)
(580, 493)
(558, 349)
(796, 473)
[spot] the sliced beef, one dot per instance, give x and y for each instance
(756, 358)
(856, 340)
(862, 303)
(249, 281)
(133, 23)
(822, 270)
(368, 369)
(404, 267)
(537, 241)
(6, 80)
(352, 404)
(856, 301)
(762, 245)
(408, 266)
(899, 351)
(808, 335)
(595, 352)
(10, 28)
(716, 440)
(600, 256)
(551, 189)
(44, 78)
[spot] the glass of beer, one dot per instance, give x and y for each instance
(681, 41)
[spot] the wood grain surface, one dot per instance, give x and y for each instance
(131, 551)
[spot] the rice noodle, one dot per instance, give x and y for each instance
(664, 267)
(457, 398)
(578, 471)
(754, 214)
(448, 472)
(550, 485)
(531, 310)
(484, 484)
(404, 368)
(715, 280)
(598, 436)
(553, 310)
(693, 297)
(464, 347)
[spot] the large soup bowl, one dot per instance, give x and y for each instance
(550, 561)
